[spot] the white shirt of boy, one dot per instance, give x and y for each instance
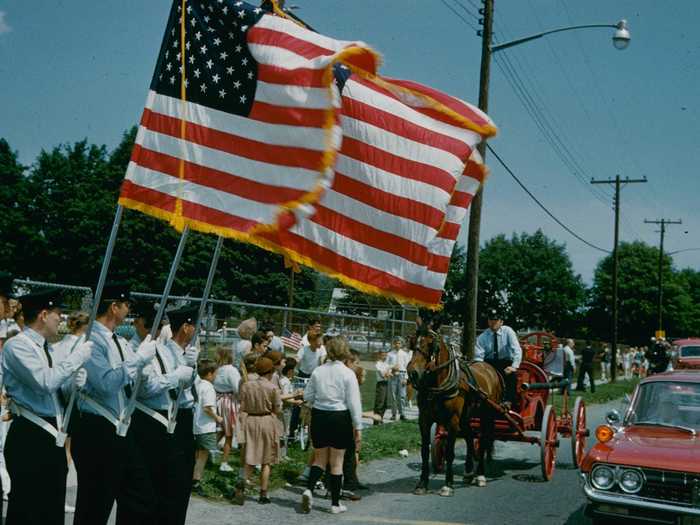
(399, 358)
(383, 368)
(203, 422)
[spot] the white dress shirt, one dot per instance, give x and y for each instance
(333, 386)
(382, 369)
(508, 346)
(399, 358)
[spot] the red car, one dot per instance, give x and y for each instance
(687, 354)
(646, 467)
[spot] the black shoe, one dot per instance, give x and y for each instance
(264, 500)
(196, 486)
(238, 496)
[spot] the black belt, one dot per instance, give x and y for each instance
(259, 415)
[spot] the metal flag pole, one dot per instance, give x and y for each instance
(202, 305)
(61, 437)
(207, 288)
(125, 419)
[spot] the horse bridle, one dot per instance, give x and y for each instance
(450, 386)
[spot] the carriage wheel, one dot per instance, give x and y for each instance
(578, 432)
(437, 449)
(548, 443)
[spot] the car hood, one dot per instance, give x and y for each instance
(654, 447)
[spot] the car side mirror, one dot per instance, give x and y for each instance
(613, 417)
(627, 399)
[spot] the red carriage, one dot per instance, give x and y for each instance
(533, 418)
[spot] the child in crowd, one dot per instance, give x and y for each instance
(290, 397)
(381, 393)
(226, 385)
(261, 402)
(205, 419)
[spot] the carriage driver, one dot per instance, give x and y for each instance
(499, 347)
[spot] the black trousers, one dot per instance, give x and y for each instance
(510, 380)
(38, 470)
(110, 468)
(381, 397)
(167, 463)
(350, 481)
(184, 465)
(582, 371)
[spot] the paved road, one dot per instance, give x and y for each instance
(514, 494)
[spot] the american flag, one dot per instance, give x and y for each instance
(257, 130)
(405, 176)
(291, 339)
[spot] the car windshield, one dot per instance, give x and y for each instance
(666, 403)
(690, 351)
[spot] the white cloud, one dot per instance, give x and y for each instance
(4, 27)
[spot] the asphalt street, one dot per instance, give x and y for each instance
(515, 493)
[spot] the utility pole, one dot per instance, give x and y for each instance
(660, 292)
(617, 181)
(472, 270)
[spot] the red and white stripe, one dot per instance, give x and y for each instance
(400, 192)
(240, 171)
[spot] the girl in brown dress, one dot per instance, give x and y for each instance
(261, 402)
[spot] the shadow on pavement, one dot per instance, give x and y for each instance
(578, 518)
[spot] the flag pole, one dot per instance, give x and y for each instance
(93, 313)
(205, 297)
(207, 288)
(124, 422)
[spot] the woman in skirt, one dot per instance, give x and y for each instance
(226, 384)
(336, 419)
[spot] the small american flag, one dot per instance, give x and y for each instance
(241, 120)
(291, 339)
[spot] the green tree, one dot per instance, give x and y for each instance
(637, 292)
(454, 297)
(531, 278)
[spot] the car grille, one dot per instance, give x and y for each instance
(671, 487)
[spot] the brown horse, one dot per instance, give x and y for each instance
(446, 396)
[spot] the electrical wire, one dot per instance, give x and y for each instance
(553, 217)
(458, 14)
(466, 10)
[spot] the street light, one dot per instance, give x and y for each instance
(621, 39)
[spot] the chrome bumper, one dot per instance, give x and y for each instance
(630, 500)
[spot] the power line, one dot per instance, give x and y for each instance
(520, 183)
(466, 10)
(458, 14)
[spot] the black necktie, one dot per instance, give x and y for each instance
(495, 346)
(127, 388)
(172, 392)
(48, 354)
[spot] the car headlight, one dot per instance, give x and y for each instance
(631, 481)
(603, 477)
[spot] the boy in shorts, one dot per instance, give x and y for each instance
(205, 420)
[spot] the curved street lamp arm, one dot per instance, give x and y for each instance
(512, 43)
(681, 251)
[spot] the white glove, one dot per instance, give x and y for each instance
(191, 355)
(183, 374)
(82, 353)
(146, 351)
(80, 378)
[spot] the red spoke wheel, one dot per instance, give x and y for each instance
(548, 443)
(578, 432)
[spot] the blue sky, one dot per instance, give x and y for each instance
(72, 69)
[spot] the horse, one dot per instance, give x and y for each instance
(449, 397)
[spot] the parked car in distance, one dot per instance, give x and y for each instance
(361, 344)
(646, 467)
(687, 354)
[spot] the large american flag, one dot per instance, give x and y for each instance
(405, 176)
(260, 119)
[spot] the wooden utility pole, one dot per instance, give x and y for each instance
(617, 181)
(472, 269)
(660, 291)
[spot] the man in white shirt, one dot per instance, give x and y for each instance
(569, 364)
(313, 327)
(310, 356)
(398, 359)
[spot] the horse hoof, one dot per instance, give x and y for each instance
(481, 481)
(446, 491)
